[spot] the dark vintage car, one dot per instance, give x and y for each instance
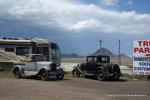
(98, 66)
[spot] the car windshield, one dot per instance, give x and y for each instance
(55, 53)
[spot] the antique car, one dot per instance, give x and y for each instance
(99, 67)
(36, 65)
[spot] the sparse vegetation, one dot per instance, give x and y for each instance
(124, 77)
(6, 73)
(135, 77)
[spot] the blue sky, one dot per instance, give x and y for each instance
(78, 25)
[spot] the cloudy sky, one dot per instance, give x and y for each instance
(78, 25)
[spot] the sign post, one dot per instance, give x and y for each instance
(141, 57)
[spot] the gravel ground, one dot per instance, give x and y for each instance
(72, 89)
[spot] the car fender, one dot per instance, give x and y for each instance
(78, 68)
(16, 67)
(100, 68)
(44, 68)
(41, 70)
(60, 68)
(117, 67)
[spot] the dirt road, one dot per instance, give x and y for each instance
(72, 89)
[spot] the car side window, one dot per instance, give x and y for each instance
(90, 59)
(104, 59)
(95, 59)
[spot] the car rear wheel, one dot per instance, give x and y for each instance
(76, 73)
(116, 72)
(100, 75)
(60, 76)
(116, 77)
(17, 74)
(44, 75)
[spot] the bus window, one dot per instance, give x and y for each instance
(22, 50)
(39, 50)
(9, 49)
(45, 51)
(42, 50)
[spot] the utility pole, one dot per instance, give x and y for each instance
(100, 44)
(119, 56)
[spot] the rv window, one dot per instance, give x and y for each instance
(9, 49)
(45, 51)
(42, 50)
(22, 50)
(39, 50)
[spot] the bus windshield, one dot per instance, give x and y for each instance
(55, 53)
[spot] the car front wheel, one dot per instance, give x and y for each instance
(76, 73)
(60, 76)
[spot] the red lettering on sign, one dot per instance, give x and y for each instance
(136, 49)
(140, 43)
(141, 50)
(145, 43)
(147, 54)
(146, 50)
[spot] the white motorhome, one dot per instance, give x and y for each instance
(42, 57)
(21, 47)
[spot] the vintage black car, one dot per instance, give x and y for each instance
(98, 66)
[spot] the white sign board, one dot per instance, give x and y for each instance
(141, 57)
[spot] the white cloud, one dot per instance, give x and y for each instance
(73, 16)
(110, 2)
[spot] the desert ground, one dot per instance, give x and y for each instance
(72, 89)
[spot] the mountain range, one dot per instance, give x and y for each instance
(72, 55)
(103, 51)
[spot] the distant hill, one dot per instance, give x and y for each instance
(72, 55)
(114, 58)
(103, 51)
(124, 59)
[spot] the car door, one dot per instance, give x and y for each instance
(30, 66)
(91, 65)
